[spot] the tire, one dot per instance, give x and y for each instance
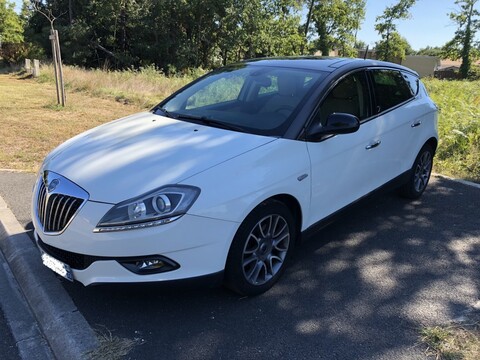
(260, 249)
(419, 174)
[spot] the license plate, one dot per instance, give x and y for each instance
(57, 266)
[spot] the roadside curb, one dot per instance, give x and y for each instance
(460, 181)
(63, 326)
(24, 328)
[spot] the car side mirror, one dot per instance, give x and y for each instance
(336, 124)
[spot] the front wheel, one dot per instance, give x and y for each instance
(260, 249)
(419, 175)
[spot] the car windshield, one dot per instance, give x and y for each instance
(250, 98)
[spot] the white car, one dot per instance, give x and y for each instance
(221, 179)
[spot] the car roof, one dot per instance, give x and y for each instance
(328, 64)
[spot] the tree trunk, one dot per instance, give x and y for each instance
(70, 12)
(307, 24)
(467, 45)
(123, 28)
(387, 47)
(323, 44)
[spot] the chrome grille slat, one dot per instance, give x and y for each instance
(51, 207)
(69, 209)
(44, 204)
(56, 217)
(41, 202)
(61, 218)
(56, 208)
(44, 208)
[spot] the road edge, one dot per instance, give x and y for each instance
(63, 326)
(460, 181)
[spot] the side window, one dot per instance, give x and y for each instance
(413, 82)
(390, 89)
(349, 96)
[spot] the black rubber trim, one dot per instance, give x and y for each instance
(81, 262)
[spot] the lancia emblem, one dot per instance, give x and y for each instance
(53, 184)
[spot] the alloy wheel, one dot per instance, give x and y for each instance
(265, 249)
(422, 171)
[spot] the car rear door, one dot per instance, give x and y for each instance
(397, 117)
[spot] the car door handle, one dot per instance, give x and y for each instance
(373, 145)
(416, 123)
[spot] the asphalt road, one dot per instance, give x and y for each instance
(359, 289)
(8, 348)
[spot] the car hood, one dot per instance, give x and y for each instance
(136, 154)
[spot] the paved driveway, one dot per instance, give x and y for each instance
(359, 289)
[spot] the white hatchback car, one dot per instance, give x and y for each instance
(221, 179)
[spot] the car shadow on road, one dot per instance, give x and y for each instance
(358, 289)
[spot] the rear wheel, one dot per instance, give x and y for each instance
(419, 175)
(260, 249)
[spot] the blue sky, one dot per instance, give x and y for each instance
(429, 25)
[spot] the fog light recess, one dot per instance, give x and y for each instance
(149, 265)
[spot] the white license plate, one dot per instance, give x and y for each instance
(57, 266)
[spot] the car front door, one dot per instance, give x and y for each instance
(343, 167)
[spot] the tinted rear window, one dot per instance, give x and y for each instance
(390, 89)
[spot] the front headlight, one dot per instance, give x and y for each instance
(157, 207)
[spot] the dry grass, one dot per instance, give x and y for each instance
(111, 347)
(145, 87)
(31, 124)
(457, 341)
(451, 343)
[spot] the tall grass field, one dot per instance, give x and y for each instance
(458, 152)
(144, 87)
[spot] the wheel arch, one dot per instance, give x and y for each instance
(234, 268)
(433, 142)
(294, 206)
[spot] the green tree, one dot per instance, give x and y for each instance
(397, 48)
(392, 45)
(12, 47)
(462, 46)
(11, 26)
(174, 35)
(431, 51)
(337, 23)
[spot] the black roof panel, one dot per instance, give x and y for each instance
(327, 64)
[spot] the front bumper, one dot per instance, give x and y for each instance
(197, 244)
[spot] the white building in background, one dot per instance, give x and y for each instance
(422, 64)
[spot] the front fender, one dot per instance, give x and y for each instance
(231, 190)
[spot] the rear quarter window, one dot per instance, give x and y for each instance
(413, 82)
(390, 88)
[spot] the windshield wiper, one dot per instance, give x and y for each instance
(165, 112)
(210, 122)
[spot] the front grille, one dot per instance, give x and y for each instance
(55, 211)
